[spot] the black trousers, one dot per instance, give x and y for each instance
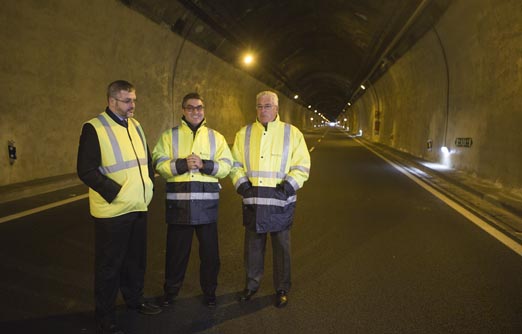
(179, 243)
(120, 261)
(255, 245)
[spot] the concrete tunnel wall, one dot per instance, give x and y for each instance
(57, 58)
(482, 43)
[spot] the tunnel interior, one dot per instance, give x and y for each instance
(321, 51)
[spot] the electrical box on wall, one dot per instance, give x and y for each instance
(12, 151)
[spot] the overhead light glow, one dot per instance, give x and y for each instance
(248, 59)
(296, 96)
(363, 87)
(309, 106)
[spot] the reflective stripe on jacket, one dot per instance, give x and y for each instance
(192, 196)
(266, 157)
(124, 160)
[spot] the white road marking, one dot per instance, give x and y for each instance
(42, 208)
(504, 239)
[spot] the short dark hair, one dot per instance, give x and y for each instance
(116, 86)
(190, 96)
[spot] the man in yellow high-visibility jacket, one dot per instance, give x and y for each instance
(192, 157)
(271, 162)
(114, 161)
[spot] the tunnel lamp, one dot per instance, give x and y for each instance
(363, 87)
(309, 106)
(345, 119)
(248, 59)
(349, 104)
(315, 111)
(311, 118)
(296, 97)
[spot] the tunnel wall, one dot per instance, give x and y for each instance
(57, 58)
(476, 95)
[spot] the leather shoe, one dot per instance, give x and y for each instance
(110, 329)
(246, 295)
(168, 300)
(148, 308)
(210, 301)
(281, 299)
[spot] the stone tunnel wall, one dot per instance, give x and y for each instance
(461, 84)
(57, 58)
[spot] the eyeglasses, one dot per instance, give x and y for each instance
(126, 101)
(190, 108)
(265, 107)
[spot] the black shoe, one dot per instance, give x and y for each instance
(168, 300)
(281, 298)
(148, 308)
(246, 295)
(210, 301)
(110, 329)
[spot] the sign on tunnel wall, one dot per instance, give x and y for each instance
(463, 142)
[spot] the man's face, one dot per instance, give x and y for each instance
(266, 109)
(123, 104)
(194, 111)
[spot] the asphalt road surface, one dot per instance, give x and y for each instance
(372, 252)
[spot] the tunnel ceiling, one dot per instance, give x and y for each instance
(321, 50)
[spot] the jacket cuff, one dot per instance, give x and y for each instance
(181, 166)
(288, 188)
(243, 188)
(208, 167)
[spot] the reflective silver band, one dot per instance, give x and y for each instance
(269, 201)
(193, 196)
(120, 164)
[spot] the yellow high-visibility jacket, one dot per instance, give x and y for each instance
(124, 160)
(270, 164)
(192, 195)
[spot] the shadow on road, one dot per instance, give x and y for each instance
(187, 315)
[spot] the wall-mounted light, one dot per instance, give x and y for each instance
(363, 87)
(248, 59)
(296, 97)
(309, 106)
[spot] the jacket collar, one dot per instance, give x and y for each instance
(115, 118)
(270, 125)
(192, 127)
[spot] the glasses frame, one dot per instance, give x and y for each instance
(265, 106)
(191, 108)
(127, 101)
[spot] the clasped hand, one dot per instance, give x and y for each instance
(194, 162)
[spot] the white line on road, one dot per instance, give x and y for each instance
(504, 239)
(42, 208)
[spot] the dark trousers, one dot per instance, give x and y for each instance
(255, 244)
(179, 243)
(120, 260)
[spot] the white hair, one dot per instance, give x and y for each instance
(269, 93)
